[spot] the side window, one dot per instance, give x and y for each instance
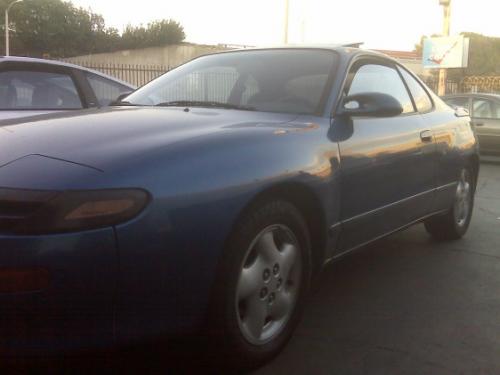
(483, 108)
(458, 102)
(37, 90)
(382, 79)
(420, 96)
(105, 90)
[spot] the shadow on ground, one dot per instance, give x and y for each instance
(179, 357)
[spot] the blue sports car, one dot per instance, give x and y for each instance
(211, 198)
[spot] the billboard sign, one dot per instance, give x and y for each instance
(446, 52)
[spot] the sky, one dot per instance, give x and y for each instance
(380, 24)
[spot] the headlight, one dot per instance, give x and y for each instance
(40, 212)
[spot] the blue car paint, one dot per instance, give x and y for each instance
(77, 310)
(197, 185)
(202, 167)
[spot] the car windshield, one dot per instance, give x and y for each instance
(286, 80)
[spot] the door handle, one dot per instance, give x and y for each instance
(426, 136)
(478, 123)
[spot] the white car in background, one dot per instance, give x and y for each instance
(31, 87)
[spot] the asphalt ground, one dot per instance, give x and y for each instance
(408, 305)
(403, 305)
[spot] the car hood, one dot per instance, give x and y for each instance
(100, 138)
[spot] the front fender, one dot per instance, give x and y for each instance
(168, 257)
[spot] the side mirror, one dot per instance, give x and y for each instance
(372, 104)
(461, 111)
(122, 96)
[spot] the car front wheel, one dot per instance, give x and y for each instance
(261, 284)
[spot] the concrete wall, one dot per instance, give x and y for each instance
(168, 56)
(171, 56)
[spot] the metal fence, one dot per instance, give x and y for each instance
(136, 75)
(139, 75)
(489, 84)
(452, 87)
(481, 84)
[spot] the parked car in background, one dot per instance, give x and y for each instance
(34, 86)
(484, 110)
(215, 195)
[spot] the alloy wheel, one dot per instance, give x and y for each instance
(268, 284)
(463, 199)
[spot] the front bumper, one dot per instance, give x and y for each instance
(76, 309)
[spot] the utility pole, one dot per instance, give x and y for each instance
(287, 14)
(446, 32)
(7, 46)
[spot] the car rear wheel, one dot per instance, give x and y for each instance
(261, 284)
(454, 224)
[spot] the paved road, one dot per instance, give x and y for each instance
(407, 305)
(404, 305)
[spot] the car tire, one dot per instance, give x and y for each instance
(454, 224)
(262, 281)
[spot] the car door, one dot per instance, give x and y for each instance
(387, 164)
(486, 120)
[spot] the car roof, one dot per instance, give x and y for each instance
(473, 95)
(32, 60)
(346, 50)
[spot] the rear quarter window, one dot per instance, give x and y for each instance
(420, 96)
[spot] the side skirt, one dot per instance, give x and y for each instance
(347, 252)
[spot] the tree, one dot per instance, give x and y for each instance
(484, 55)
(156, 33)
(59, 29)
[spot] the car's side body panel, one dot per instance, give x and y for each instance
(392, 175)
(456, 147)
(388, 176)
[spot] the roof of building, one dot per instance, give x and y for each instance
(405, 55)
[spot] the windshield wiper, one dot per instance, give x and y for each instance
(200, 103)
(122, 103)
